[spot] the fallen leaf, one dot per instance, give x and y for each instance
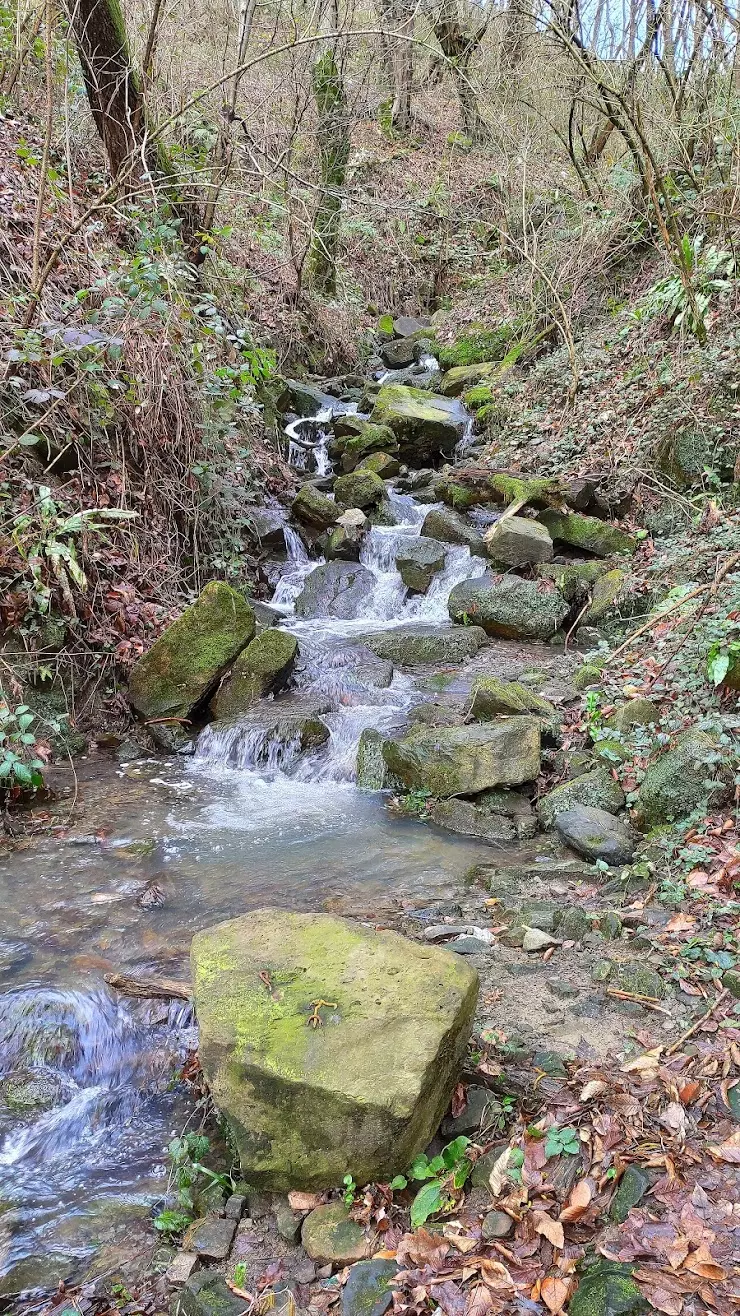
(499, 1173)
(680, 923)
(592, 1089)
(495, 1274)
(449, 1297)
(689, 1092)
(422, 1248)
(552, 1229)
(554, 1293)
(663, 1300)
(577, 1203)
(701, 1262)
(645, 1064)
(728, 1151)
(479, 1301)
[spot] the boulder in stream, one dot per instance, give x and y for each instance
(186, 662)
(509, 606)
(371, 438)
(516, 541)
(596, 789)
(314, 509)
(263, 668)
(451, 528)
(269, 732)
(361, 489)
(382, 463)
(587, 532)
(414, 646)
(418, 562)
(335, 589)
(345, 540)
(426, 425)
(464, 818)
(468, 759)
(331, 1048)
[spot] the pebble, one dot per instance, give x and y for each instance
(559, 987)
(469, 946)
(535, 940)
(496, 1224)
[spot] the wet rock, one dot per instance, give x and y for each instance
(42, 1270)
(368, 1289)
(335, 589)
(635, 713)
(355, 1110)
(314, 509)
(211, 1238)
(612, 599)
(413, 646)
(490, 697)
(676, 783)
(207, 1294)
(606, 1288)
(425, 424)
(404, 351)
(180, 1269)
(519, 542)
(369, 439)
(262, 669)
(468, 759)
(595, 834)
(332, 1238)
(382, 463)
(573, 924)
(434, 714)
(290, 721)
(449, 527)
(596, 789)
(509, 606)
(14, 954)
(610, 925)
(303, 399)
(510, 804)
(266, 525)
(372, 771)
(496, 1224)
(463, 818)
(418, 562)
(363, 489)
(184, 664)
(632, 1188)
(346, 539)
(28, 1091)
(155, 894)
(458, 379)
(587, 532)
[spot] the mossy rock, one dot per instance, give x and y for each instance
(184, 665)
(263, 668)
(606, 1288)
(635, 713)
(415, 646)
(448, 526)
(464, 487)
(639, 980)
(587, 676)
(596, 789)
(468, 759)
(687, 454)
(490, 697)
(426, 425)
(517, 541)
(587, 532)
(460, 379)
(575, 580)
(687, 776)
(509, 606)
(361, 489)
(418, 562)
(632, 1188)
(382, 463)
(372, 438)
(309, 1104)
(372, 770)
(477, 346)
(332, 1238)
(610, 751)
(385, 326)
(314, 509)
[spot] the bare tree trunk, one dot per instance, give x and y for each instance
(112, 88)
(513, 46)
(459, 44)
(398, 16)
(333, 138)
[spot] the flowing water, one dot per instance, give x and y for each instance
(87, 1098)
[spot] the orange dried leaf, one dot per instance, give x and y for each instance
(552, 1229)
(554, 1293)
(577, 1203)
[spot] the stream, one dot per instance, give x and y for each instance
(90, 1097)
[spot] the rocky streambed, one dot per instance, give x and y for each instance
(413, 651)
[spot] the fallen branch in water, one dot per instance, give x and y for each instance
(154, 989)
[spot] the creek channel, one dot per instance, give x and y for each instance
(87, 1097)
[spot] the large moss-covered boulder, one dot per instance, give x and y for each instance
(465, 819)
(382, 463)
(345, 1062)
(314, 509)
(516, 541)
(414, 646)
(448, 526)
(418, 562)
(596, 789)
(477, 344)
(362, 488)
(691, 773)
(263, 668)
(587, 532)
(372, 438)
(464, 760)
(184, 665)
(575, 580)
(335, 589)
(425, 424)
(509, 606)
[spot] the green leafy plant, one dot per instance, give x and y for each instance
(187, 1173)
(240, 1274)
(172, 1222)
(350, 1189)
(20, 766)
(414, 803)
(440, 1175)
(723, 660)
(563, 1141)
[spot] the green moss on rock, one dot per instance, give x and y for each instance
(490, 697)
(468, 759)
(184, 664)
(361, 489)
(478, 345)
(688, 775)
(509, 606)
(575, 580)
(596, 789)
(606, 1288)
(263, 668)
(459, 379)
(425, 424)
(587, 532)
(371, 438)
(314, 509)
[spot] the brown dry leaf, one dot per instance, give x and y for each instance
(689, 988)
(422, 1249)
(663, 1300)
(552, 1229)
(460, 1240)
(680, 923)
(304, 1201)
(689, 1092)
(479, 1301)
(646, 1064)
(577, 1203)
(701, 1262)
(459, 1100)
(449, 1297)
(728, 1151)
(554, 1293)
(495, 1274)
(592, 1089)
(499, 1174)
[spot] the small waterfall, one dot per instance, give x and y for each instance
(247, 747)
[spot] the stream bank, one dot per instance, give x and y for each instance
(254, 817)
